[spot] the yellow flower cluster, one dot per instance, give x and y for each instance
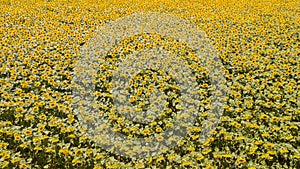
(257, 41)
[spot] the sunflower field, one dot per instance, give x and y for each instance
(257, 42)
